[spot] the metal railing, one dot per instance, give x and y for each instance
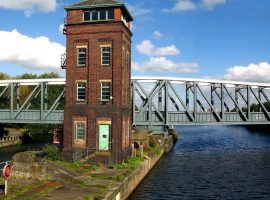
(83, 153)
(63, 61)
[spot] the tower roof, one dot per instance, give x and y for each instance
(91, 4)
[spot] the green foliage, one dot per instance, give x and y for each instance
(27, 76)
(52, 152)
(254, 107)
(40, 128)
(49, 75)
(53, 90)
(152, 142)
(2, 131)
(70, 165)
(154, 149)
(4, 76)
(131, 163)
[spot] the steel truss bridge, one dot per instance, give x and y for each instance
(27, 101)
(157, 101)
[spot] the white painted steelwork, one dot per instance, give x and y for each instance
(62, 81)
(209, 81)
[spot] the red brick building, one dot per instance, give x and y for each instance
(98, 74)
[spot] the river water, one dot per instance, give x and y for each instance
(211, 162)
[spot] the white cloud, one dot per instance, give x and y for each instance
(34, 53)
(188, 5)
(157, 35)
(182, 5)
(162, 64)
(138, 11)
(61, 28)
(146, 47)
(210, 4)
(253, 72)
(29, 6)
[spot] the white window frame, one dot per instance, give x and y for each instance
(77, 89)
(78, 53)
(102, 87)
(103, 47)
(98, 13)
(76, 123)
(90, 16)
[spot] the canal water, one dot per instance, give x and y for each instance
(211, 162)
(7, 152)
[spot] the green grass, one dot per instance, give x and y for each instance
(78, 167)
(131, 163)
(74, 166)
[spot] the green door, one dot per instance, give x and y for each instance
(104, 137)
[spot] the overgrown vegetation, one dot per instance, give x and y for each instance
(130, 163)
(78, 166)
(154, 147)
(52, 152)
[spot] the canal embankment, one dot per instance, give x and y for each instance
(55, 179)
(131, 182)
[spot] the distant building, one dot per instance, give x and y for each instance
(98, 77)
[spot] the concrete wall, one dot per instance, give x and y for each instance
(33, 165)
(126, 188)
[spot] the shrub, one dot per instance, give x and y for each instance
(52, 152)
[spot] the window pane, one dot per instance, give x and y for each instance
(81, 91)
(106, 55)
(81, 56)
(102, 14)
(94, 15)
(86, 16)
(80, 131)
(105, 91)
(110, 14)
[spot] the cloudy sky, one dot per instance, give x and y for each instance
(221, 39)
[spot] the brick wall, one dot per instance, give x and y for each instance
(92, 35)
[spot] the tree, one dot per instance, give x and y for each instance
(4, 76)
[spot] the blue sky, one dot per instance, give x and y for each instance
(221, 39)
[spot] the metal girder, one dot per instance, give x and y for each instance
(261, 104)
(181, 101)
(181, 106)
(31, 105)
(212, 108)
(168, 101)
(237, 105)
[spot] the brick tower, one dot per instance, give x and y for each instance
(98, 74)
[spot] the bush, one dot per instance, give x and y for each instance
(52, 152)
